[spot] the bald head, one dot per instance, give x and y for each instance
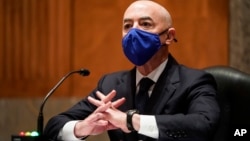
(148, 16)
(149, 8)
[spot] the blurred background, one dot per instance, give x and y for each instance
(42, 40)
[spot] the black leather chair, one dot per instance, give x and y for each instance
(234, 100)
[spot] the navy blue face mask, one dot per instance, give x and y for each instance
(139, 46)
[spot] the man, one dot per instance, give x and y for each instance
(179, 105)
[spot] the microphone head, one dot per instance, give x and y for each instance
(84, 72)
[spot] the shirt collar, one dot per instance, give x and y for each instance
(154, 75)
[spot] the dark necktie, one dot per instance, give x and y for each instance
(142, 96)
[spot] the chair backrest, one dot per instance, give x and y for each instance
(234, 100)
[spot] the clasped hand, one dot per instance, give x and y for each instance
(105, 117)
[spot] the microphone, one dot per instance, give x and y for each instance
(83, 72)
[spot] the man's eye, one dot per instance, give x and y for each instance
(146, 24)
(127, 26)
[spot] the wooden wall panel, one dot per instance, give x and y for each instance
(202, 30)
(42, 40)
(97, 39)
(35, 46)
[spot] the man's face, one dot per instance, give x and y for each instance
(144, 16)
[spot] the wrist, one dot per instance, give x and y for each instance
(136, 121)
(78, 130)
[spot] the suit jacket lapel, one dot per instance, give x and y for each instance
(126, 89)
(164, 88)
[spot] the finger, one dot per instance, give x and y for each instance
(106, 98)
(111, 127)
(110, 96)
(103, 107)
(100, 123)
(100, 95)
(94, 101)
(118, 102)
(94, 117)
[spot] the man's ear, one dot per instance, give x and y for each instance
(171, 36)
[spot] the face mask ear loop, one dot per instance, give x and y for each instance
(175, 40)
(166, 30)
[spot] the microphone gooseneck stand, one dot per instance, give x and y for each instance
(83, 72)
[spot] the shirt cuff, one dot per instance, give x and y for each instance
(148, 126)
(67, 132)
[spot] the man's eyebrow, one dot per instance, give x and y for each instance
(141, 18)
(146, 18)
(127, 20)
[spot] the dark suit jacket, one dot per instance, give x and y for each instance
(183, 102)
